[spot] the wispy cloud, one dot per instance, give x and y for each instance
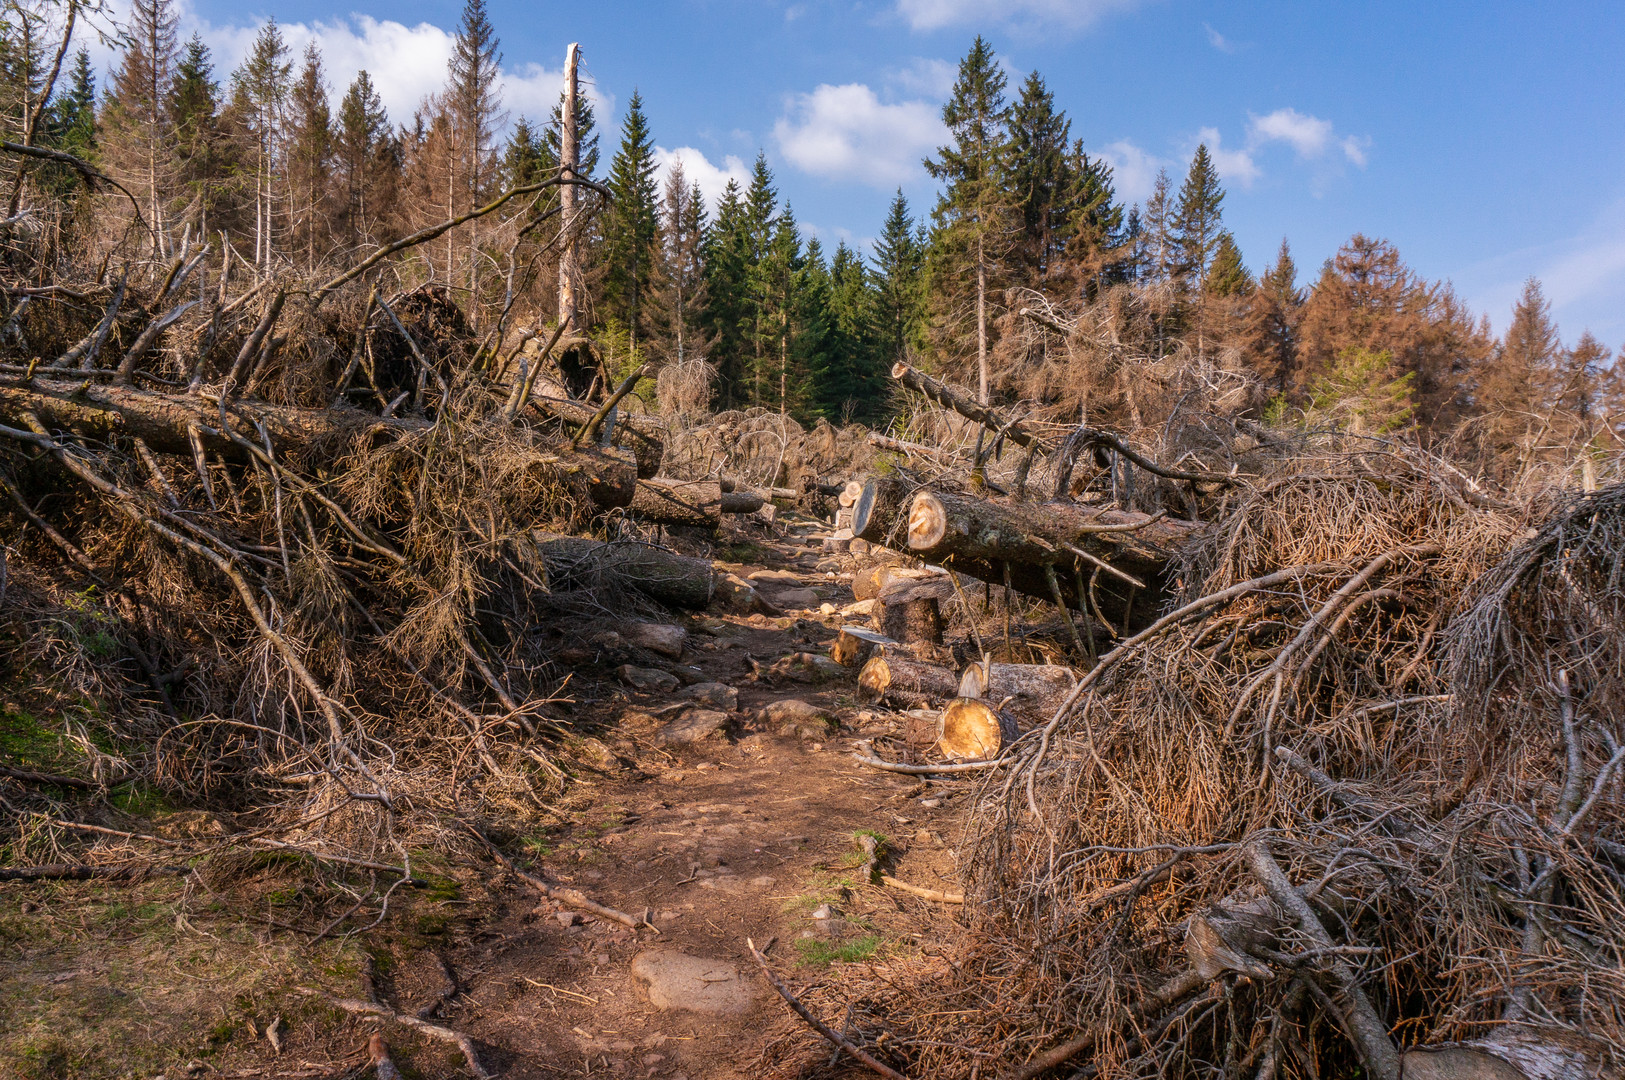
(1218, 40)
(1235, 166)
(847, 133)
(933, 79)
(1134, 171)
(1065, 15)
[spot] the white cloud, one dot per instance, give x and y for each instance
(1134, 171)
(697, 168)
(1028, 14)
(1354, 148)
(406, 63)
(1308, 135)
(1218, 40)
(1236, 166)
(932, 79)
(846, 132)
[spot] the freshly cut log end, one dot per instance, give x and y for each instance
(906, 682)
(927, 522)
(973, 730)
(877, 509)
(850, 493)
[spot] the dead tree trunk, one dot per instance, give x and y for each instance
(693, 503)
(552, 398)
(674, 580)
(907, 682)
(1032, 692)
(169, 423)
(876, 513)
(1111, 561)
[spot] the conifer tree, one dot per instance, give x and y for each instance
(1038, 178)
(363, 153)
(852, 364)
(1579, 385)
(260, 92)
(202, 151)
(1161, 259)
(473, 105)
(1270, 339)
(1197, 219)
(70, 124)
(310, 150)
(632, 227)
(1098, 248)
(767, 281)
(1517, 380)
(900, 279)
(678, 296)
(138, 137)
(972, 214)
(1226, 276)
(728, 263)
(522, 157)
(586, 137)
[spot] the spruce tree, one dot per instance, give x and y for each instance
(1038, 179)
(632, 225)
(473, 102)
(1226, 276)
(1098, 248)
(202, 150)
(362, 146)
(1580, 377)
(678, 296)
(522, 161)
(1197, 219)
(310, 149)
(768, 281)
(972, 214)
(1270, 341)
(728, 262)
(1161, 257)
(73, 113)
(900, 277)
(586, 137)
(139, 138)
(260, 92)
(850, 379)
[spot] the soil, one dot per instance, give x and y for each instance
(746, 834)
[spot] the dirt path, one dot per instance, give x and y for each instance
(744, 834)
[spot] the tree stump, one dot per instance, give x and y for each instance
(911, 622)
(906, 682)
(973, 730)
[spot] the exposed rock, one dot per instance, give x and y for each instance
(647, 679)
(675, 980)
(715, 694)
(693, 726)
(737, 594)
(656, 637)
(797, 719)
(779, 577)
(795, 599)
(804, 667)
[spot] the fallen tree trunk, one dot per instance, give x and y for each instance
(1032, 692)
(878, 510)
(741, 502)
(674, 580)
(168, 423)
(1048, 550)
(907, 682)
(695, 503)
(943, 395)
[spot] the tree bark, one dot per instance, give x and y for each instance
(634, 433)
(1031, 692)
(981, 538)
(878, 510)
(694, 503)
(854, 646)
(907, 682)
(911, 622)
(674, 580)
(948, 398)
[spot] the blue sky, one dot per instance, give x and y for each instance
(1486, 140)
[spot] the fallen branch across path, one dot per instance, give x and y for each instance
(818, 1025)
(923, 893)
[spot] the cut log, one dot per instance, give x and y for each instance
(577, 563)
(893, 678)
(912, 622)
(850, 492)
(900, 584)
(732, 484)
(855, 645)
(879, 510)
(983, 538)
(1032, 692)
(973, 730)
(694, 503)
(741, 502)
(167, 423)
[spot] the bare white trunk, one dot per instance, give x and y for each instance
(569, 151)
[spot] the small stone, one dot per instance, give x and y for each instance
(922, 836)
(795, 599)
(930, 804)
(605, 639)
(859, 546)
(675, 980)
(823, 911)
(796, 719)
(657, 637)
(805, 667)
(784, 577)
(693, 726)
(647, 679)
(826, 610)
(567, 918)
(715, 694)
